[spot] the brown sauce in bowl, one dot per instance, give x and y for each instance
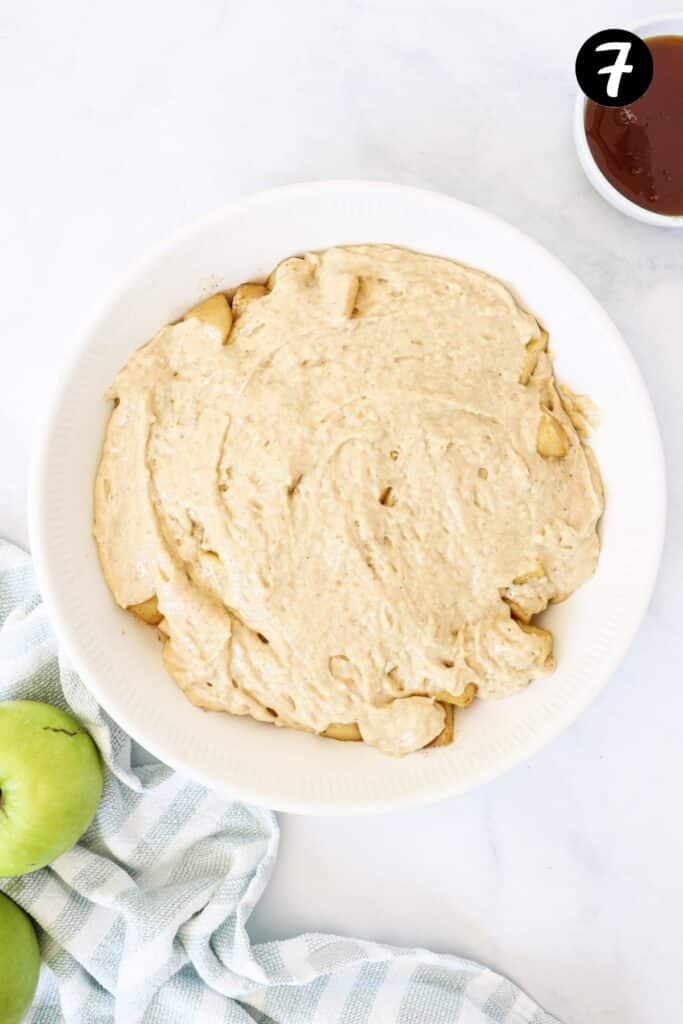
(639, 148)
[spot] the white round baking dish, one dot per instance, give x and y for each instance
(119, 658)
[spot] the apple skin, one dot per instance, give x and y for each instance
(50, 784)
(20, 962)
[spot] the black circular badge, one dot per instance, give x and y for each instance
(614, 67)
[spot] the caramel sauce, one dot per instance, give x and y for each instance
(639, 148)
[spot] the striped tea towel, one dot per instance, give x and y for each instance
(144, 921)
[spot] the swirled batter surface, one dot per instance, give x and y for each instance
(349, 503)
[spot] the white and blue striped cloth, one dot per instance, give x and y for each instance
(144, 921)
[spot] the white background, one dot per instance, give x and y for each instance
(120, 122)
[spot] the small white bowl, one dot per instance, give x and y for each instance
(662, 25)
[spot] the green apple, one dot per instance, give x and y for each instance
(50, 784)
(20, 962)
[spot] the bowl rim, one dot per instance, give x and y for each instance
(67, 635)
(602, 186)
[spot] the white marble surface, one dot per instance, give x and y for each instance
(123, 121)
